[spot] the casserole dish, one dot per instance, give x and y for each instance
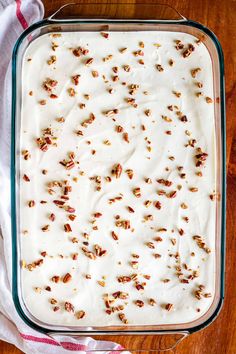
(161, 24)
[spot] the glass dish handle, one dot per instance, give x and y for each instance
(124, 343)
(117, 11)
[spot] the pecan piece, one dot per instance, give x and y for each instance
(104, 34)
(193, 189)
(124, 279)
(188, 51)
(130, 173)
(139, 303)
(31, 203)
(159, 67)
(26, 155)
(26, 178)
(88, 253)
(150, 245)
(67, 228)
(209, 100)
(130, 209)
(75, 79)
(165, 182)
(67, 277)
(89, 61)
(126, 137)
(137, 192)
(123, 223)
(172, 194)
(152, 302)
(80, 314)
(169, 307)
(157, 205)
(117, 170)
(119, 129)
(97, 215)
(56, 279)
(123, 318)
(52, 217)
(45, 228)
(114, 236)
(69, 307)
(194, 72)
(99, 251)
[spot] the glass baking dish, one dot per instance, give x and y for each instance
(115, 19)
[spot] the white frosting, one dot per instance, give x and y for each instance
(84, 294)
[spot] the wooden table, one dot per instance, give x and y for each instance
(220, 17)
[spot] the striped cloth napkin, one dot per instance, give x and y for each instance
(15, 16)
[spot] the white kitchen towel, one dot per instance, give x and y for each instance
(15, 16)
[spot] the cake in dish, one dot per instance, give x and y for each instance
(117, 178)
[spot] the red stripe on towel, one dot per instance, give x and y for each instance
(65, 345)
(20, 16)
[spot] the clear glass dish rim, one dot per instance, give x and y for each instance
(15, 260)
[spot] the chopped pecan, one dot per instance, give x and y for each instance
(80, 51)
(97, 215)
(169, 307)
(157, 205)
(165, 182)
(152, 302)
(56, 279)
(188, 51)
(68, 164)
(89, 61)
(80, 314)
(59, 203)
(125, 224)
(159, 67)
(102, 283)
(67, 277)
(130, 209)
(130, 173)
(209, 100)
(123, 318)
(114, 236)
(26, 155)
(56, 308)
(120, 295)
(117, 170)
(137, 192)
(172, 194)
(193, 189)
(126, 137)
(26, 178)
(52, 217)
(53, 301)
(119, 129)
(88, 253)
(150, 245)
(124, 279)
(69, 307)
(194, 72)
(139, 303)
(201, 243)
(31, 203)
(99, 251)
(75, 79)
(67, 228)
(45, 228)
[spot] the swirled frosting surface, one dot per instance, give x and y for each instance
(117, 203)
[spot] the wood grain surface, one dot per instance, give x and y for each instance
(220, 17)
